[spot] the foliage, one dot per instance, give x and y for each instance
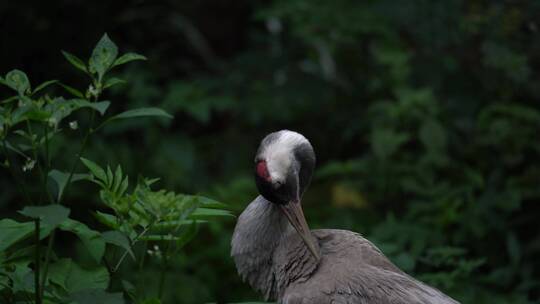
(424, 116)
(30, 124)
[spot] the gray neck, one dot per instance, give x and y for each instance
(256, 236)
(261, 237)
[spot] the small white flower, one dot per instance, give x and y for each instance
(156, 247)
(29, 165)
(74, 125)
(93, 91)
(52, 122)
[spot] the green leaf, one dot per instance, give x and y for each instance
(208, 202)
(110, 178)
(514, 250)
(72, 90)
(61, 178)
(117, 179)
(17, 80)
(91, 239)
(203, 213)
(10, 99)
(12, 232)
(75, 61)
(72, 278)
(151, 301)
(123, 186)
(159, 238)
(92, 296)
(118, 239)
(96, 170)
(103, 56)
(51, 215)
(130, 290)
(112, 82)
(187, 235)
(168, 225)
(12, 148)
(141, 112)
(127, 58)
(433, 136)
(100, 106)
(22, 278)
(385, 142)
(44, 85)
(106, 219)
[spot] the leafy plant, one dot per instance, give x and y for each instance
(30, 122)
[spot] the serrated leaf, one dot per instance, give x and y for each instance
(91, 239)
(103, 56)
(18, 81)
(75, 61)
(118, 239)
(127, 58)
(44, 85)
(51, 215)
(96, 170)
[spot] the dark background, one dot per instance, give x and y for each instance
(425, 117)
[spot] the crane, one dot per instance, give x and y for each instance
(277, 254)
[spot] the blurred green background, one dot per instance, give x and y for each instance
(425, 117)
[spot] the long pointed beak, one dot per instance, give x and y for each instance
(293, 211)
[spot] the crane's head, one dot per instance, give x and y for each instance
(283, 168)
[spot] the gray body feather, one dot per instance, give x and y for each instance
(272, 258)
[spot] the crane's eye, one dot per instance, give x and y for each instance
(278, 184)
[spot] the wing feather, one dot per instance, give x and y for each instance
(354, 271)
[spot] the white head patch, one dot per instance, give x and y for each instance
(279, 153)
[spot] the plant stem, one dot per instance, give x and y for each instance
(21, 186)
(37, 261)
(47, 159)
(47, 259)
(164, 264)
(40, 167)
(60, 197)
(132, 243)
(79, 154)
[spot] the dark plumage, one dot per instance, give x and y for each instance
(278, 255)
